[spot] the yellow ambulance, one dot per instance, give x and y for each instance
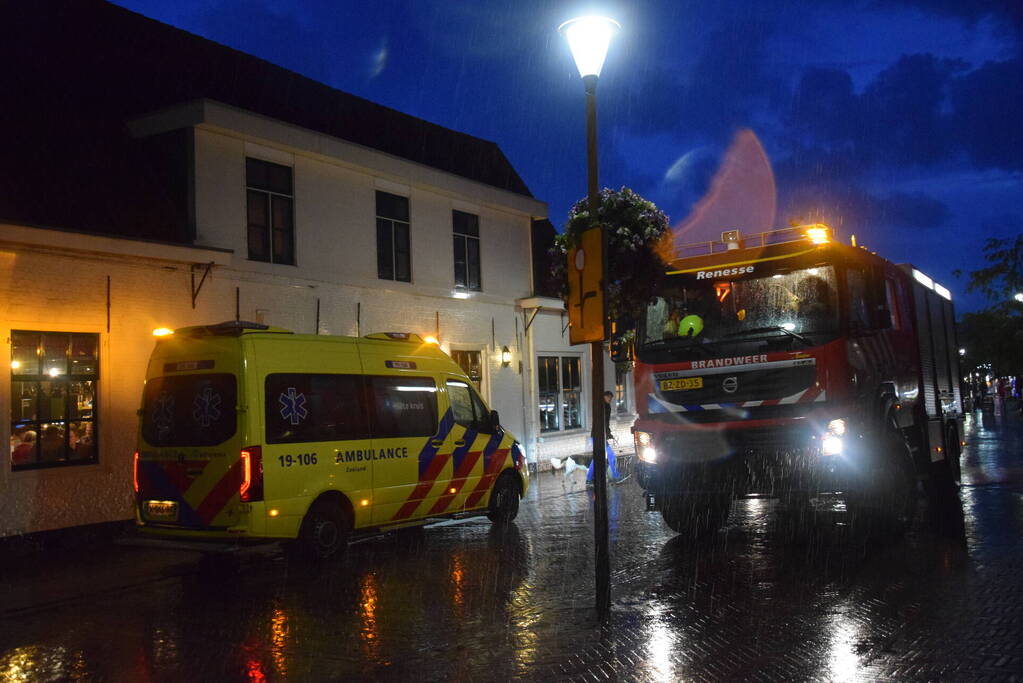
(253, 432)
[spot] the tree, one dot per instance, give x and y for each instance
(634, 225)
(1003, 277)
(995, 334)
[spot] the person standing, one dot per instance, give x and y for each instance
(609, 452)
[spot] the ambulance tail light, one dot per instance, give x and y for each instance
(251, 488)
(135, 472)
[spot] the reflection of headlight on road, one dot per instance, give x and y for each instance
(831, 445)
(645, 447)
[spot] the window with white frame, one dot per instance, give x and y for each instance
(466, 233)
(394, 255)
(622, 378)
(270, 206)
(560, 393)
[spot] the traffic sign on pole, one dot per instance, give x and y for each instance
(585, 289)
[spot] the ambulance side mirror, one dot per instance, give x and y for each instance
(495, 421)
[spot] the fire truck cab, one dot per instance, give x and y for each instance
(790, 365)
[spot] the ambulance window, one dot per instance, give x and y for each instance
(312, 407)
(482, 414)
(461, 403)
(189, 410)
(403, 406)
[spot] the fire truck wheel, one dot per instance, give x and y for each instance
(325, 531)
(695, 516)
(504, 500)
(889, 503)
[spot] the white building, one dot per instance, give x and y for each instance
(326, 226)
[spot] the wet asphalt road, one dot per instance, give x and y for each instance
(461, 602)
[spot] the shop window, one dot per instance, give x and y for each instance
(54, 378)
(394, 256)
(466, 229)
(270, 206)
(559, 393)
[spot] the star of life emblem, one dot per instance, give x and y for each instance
(163, 416)
(206, 407)
(293, 406)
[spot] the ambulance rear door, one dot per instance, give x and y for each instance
(189, 465)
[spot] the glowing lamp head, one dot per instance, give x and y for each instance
(505, 356)
(589, 38)
(15, 364)
(163, 332)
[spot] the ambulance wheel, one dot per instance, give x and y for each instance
(325, 531)
(504, 500)
(695, 516)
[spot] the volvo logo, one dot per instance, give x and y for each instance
(730, 385)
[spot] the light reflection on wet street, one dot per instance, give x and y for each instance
(464, 602)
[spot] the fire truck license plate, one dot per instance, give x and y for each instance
(164, 510)
(681, 384)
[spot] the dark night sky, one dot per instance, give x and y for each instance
(899, 121)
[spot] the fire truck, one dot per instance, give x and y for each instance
(786, 364)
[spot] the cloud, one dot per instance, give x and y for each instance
(909, 210)
(988, 114)
(378, 60)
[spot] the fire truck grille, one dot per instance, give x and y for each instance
(732, 414)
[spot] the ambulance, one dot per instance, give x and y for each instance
(249, 432)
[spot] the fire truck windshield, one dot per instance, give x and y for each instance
(692, 312)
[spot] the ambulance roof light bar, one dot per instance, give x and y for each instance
(400, 336)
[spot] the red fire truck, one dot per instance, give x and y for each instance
(786, 364)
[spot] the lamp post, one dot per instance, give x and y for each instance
(589, 38)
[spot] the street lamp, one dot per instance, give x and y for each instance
(1019, 297)
(589, 38)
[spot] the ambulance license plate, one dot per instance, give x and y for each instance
(162, 510)
(681, 384)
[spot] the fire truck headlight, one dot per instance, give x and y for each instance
(831, 440)
(831, 445)
(645, 447)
